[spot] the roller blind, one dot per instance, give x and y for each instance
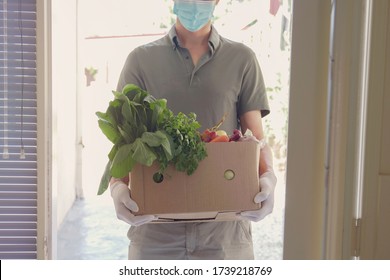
(18, 125)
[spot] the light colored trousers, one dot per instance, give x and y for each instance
(192, 241)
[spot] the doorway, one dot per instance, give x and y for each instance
(90, 230)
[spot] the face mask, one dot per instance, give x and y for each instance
(193, 15)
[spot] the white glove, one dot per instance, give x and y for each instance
(265, 197)
(124, 205)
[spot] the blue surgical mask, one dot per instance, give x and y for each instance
(194, 14)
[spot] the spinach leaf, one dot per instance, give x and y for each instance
(110, 131)
(143, 153)
(105, 180)
(123, 161)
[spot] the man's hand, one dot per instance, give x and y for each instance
(265, 197)
(124, 205)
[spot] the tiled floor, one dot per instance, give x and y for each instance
(91, 231)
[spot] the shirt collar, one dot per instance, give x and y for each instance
(213, 39)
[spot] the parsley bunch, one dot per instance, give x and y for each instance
(188, 148)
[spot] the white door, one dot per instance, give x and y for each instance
(375, 220)
(338, 168)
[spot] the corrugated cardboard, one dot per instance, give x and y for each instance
(206, 194)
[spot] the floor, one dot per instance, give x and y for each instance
(91, 231)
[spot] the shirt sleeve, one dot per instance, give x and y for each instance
(131, 72)
(253, 94)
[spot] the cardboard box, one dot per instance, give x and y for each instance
(224, 184)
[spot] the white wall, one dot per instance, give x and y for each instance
(64, 90)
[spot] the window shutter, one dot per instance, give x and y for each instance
(18, 125)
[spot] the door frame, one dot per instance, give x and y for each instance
(307, 233)
(347, 114)
(303, 228)
(327, 147)
(377, 85)
(46, 238)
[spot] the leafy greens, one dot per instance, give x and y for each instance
(143, 130)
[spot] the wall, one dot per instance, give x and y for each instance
(64, 90)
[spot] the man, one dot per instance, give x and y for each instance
(199, 71)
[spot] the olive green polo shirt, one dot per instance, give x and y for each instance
(227, 79)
